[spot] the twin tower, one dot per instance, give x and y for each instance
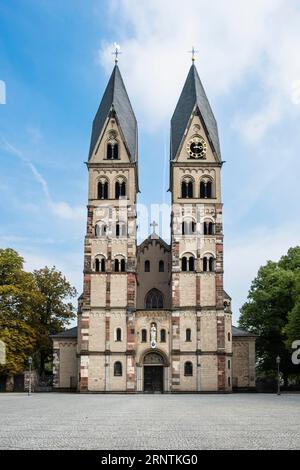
(154, 317)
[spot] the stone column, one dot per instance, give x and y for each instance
(139, 383)
(166, 379)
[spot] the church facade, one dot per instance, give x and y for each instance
(154, 317)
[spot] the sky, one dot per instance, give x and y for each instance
(55, 61)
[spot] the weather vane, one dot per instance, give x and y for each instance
(117, 52)
(193, 52)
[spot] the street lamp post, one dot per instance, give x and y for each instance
(29, 383)
(278, 374)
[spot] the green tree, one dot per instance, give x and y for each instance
(292, 329)
(53, 310)
(267, 311)
(17, 295)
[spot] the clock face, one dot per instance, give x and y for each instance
(197, 147)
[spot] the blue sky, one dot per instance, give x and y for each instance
(55, 59)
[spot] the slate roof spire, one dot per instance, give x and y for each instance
(193, 96)
(116, 99)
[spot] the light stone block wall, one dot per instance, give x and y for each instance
(67, 361)
(96, 377)
(188, 320)
(119, 247)
(189, 383)
(209, 373)
(208, 333)
(97, 331)
(243, 362)
(98, 290)
(98, 247)
(187, 289)
(118, 290)
(208, 290)
(163, 321)
(117, 319)
(117, 384)
(228, 344)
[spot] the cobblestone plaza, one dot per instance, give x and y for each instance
(71, 421)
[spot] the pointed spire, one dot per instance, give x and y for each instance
(192, 97)
(116, 99)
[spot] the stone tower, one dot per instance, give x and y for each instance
(201, 317)
(154, 317)
(105, 320)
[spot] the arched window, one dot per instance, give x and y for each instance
(102, 190)
(112, 150)
(161, 266)
(100, 264)
(123, 265)
(147, 266)
(118, 369)
(120, 189)
(144, 336)
(206, 189)
(154, 300)
(188, 335)
(208, 264)
(118, 334)
(188, 227)
(162, 336)
(121, 230)
(188, 263)
(229, 336)
(188, 369)
(209, 228)
(187, 189)
(100, 230)
(191, 263)
(120, 265)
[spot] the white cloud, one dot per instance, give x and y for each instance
(67, 212)
(261, 40)
(60, 209)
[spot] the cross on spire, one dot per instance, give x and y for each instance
(116, 52)
(154, 224)
(193, 52)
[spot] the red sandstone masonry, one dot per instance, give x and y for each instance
(221, 372)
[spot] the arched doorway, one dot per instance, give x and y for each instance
(153, 372)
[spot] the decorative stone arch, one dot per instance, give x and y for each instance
(208, 262)
(99, 257)
(112, 146)
(162, 359)
(104, 181)
(187, 187)
(188, 225)
(120, 186)
(119, 262)
(209, 226)
(207, 187)
(188, 261)
(157, 299)
(100, 229)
